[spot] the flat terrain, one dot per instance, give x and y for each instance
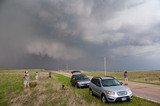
(48, 92)
(147, 91)
(150, 77)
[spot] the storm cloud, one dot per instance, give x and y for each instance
(52, 33)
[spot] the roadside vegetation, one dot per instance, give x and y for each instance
(95, 101)
(48, 92)
(150, 77)
(10, 82)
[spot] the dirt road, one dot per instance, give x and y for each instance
(147, 91)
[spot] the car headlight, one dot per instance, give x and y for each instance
(79, 82)
(110, 92)
(129, 91)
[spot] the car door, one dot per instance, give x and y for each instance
(73, 78)
(93, 85)
(97, 87)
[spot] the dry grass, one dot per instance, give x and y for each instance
(47, 92)
(151, 77)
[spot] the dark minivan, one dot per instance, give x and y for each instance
(80, 80)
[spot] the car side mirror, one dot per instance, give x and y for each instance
(121, 83)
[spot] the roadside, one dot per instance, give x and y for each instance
(95, 101)
(147, 91)
(47, 92)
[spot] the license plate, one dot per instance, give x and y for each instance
(86, 84)
(123, 99)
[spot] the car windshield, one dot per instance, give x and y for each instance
(110, 82)
(81, 77)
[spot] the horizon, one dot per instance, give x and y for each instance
(73, 70)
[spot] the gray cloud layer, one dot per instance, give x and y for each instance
(52, 33)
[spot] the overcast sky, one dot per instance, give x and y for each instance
(52, 33)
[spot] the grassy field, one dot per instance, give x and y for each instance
(10, 82)
(151, 77)
(48, 92)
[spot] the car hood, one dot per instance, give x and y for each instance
(117, 88)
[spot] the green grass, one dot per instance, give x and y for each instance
(96, 101)
(150, 77)
(9, 82)
(48, 92)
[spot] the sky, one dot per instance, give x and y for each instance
(52, 34)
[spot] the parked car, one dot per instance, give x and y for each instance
(80, 80)
(109, 89)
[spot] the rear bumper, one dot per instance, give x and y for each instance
(83, 85)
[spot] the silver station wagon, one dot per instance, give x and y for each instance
(109, 89)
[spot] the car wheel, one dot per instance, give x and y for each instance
(129, 100)
(76, 85)
(90, 92)
(103, 98)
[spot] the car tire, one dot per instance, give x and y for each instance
(129, 100)
(76, 85)
(103, 98)
(90, 92)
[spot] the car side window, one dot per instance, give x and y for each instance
(93, 81)
(98, 82)
(73, 77)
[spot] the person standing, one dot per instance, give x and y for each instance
(36, 76)
(125, 78)
(26, 79)
(50, 75)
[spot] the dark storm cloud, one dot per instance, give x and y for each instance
(51, 33)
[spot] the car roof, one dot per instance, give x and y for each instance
(78, 75)
(104, 77)
(75, 72)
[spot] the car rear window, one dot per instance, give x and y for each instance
(80, 77)
(75, 72)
